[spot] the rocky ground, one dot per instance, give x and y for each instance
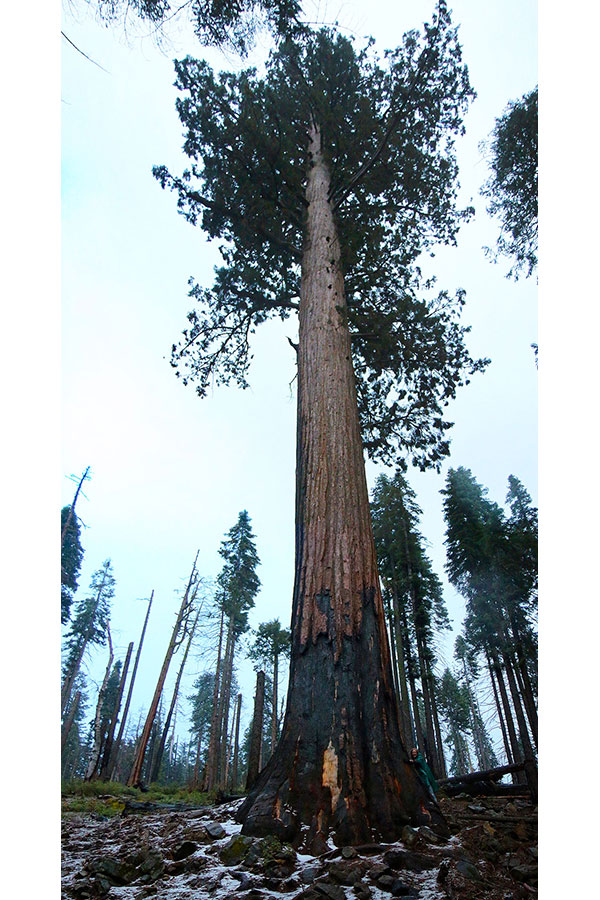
(199, 853)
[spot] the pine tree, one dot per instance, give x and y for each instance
(70, 561)
(454, 706)
(416, 599)
(326, 180)
(238, 586)
(484, 559)
(88, 627)
(271, 641)
(512, 188)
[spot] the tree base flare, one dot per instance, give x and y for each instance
(340, 775)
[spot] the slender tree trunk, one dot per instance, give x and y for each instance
(531, 772)
(95, 757)
(115, 753)
(213, 744)
(526, 689)
(196, 775)
(409, 728)
(256, 733)
(236, 747)
(508, 716)
(225, 702)
(436, 724)
(163, 739)
(507, 747)
(416, 717)
(340, 766)
(138, 762)
(228, 755)
(72, 508)
(70, 719)
(430, 748)
(274, 716)
(106, 755)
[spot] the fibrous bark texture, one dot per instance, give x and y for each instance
(340, 769)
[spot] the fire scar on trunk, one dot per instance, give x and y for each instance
(330, 775)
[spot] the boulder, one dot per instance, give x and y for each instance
(183, 850)
(430, 836)
(410, 836)
(347, 871)
(234, 851)
(362, 890)
(468, 870)
(406, 859)
(215, 831)
(349, 853)
(309, 873)
(329, 890)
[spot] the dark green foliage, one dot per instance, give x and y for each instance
(491, 560)
(201, 701)
(92, 614)
(388, 128)
(512, 188)
(226, 23)
(71, 558)
(74, 753)
(270, 641)
(238, 581)
(453, 703)
(402, 560)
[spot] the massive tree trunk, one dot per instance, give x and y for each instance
(340, 768)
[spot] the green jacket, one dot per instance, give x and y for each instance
(425, 773)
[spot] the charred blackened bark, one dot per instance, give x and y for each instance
(340, 768)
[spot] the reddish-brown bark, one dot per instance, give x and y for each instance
(340, 768)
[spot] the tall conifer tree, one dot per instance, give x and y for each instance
(325, 181)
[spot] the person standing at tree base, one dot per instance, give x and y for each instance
(424, 772)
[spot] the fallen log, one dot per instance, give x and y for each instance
(489, 775)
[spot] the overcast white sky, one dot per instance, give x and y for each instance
(170, 472)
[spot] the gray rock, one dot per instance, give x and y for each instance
(235, 849)
(406, 859)
(410, 836)
(385, 882)
(332, 891)
(525, 873)
(183, 850)
(347, 871)
(349, 853)
(309, 873)
(402, 889)
(468, 870)
(430, 836)
(215, 830)
(362, 890)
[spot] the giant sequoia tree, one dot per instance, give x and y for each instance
(324, 181)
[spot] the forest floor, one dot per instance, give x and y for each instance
(182, 853)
